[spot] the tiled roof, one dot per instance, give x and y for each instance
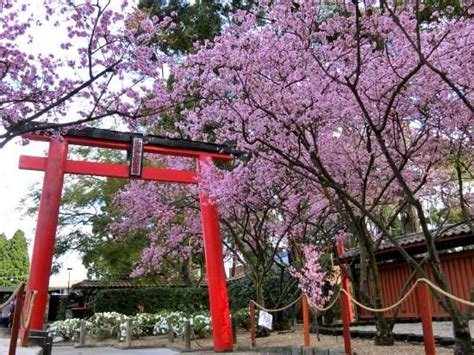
(446, 232)
(106, 284)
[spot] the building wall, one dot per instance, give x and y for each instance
(459, 272)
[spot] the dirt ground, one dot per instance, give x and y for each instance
(295, 338)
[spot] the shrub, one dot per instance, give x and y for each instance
(278, 281)
(242, 317)
(106, 324)
(112, 324)
(189, 300)
(67, 329)
(201, 325)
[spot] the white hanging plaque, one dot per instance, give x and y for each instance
(265, 320)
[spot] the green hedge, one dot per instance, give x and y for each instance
(126, 301)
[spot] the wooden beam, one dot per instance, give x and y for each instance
(111, 170)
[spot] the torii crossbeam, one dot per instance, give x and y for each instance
(56, 164)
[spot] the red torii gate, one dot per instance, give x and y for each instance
(56, 164)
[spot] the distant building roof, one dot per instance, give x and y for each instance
(447, 237)
(98, 284)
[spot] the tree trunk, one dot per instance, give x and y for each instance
(258, 282)
(462, 334)
(357, 227)
(384, 334)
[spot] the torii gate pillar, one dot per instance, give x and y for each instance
(216, 280)
(45, 234)
(56, 165)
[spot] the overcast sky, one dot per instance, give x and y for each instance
(14, 186)
(14, 183)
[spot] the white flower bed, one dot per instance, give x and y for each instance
(113, 324)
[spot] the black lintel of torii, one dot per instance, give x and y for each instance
(148, 139)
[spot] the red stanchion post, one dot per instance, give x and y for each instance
(16, 320)
(346, 308)
(346, 315)
(253, 339)
(26, 330)
(304, 301)
(423, 299)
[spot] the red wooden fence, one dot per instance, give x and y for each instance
(459, 271)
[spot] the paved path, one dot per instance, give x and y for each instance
(69, 350)
(5, 343)
(441, 329)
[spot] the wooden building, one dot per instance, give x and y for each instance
(456, 248)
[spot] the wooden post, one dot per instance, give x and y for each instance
(304, 301)
(27, 325)
(346, 315)
(253, 338)
(128, 336)
(170, 332)
(82, 333)
(423, 299)
(346, 308)
(187, 335)
(234, 330)
(16, 320)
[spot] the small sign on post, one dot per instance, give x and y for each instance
(136, 156)
(265, 320)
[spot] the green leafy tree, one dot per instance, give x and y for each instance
(14, 262)
(87, 208)
(200, 20)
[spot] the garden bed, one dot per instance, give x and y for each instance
(276, 339)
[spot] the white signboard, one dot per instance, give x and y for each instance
(265, 320)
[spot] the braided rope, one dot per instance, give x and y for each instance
(447, 294)
(404, 297)
(12, 296)
(329, 306)
(370, 309)
(176, 332)
(194, 338)
(29, 311)
(380, 310)
(276, 309)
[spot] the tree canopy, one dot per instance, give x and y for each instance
(14, 260)
(369, 108)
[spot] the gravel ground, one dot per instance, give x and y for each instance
(295, 338)
(442, 329)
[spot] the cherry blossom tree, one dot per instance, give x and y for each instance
(367, 105)
(371, 107)
(104, 66)
(311, 277)
(259, 220)
(169, 215)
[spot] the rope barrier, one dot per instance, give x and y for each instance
(447, 294)
(194, 338)
(379, 310)
(176, 332)
(12, 296)
(400, 301)
(29, 311)
(276, 309)
(331, 304)
(370, 309)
